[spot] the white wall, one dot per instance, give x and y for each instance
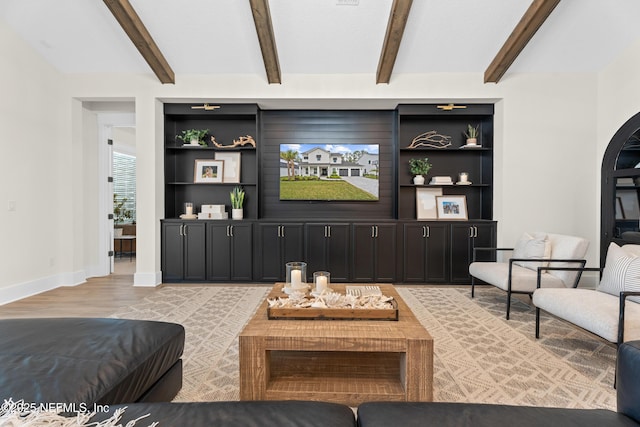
(34, 115)
(550, 133)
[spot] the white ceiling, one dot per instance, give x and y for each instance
(319, 36)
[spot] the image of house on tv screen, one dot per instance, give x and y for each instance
(347, 172)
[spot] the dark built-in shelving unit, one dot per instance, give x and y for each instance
(379, 241)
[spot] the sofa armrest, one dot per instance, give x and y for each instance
(628, 379)
(623, 299)
(580, 270)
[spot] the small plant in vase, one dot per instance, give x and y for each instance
(472, 134)
(237, 200)
(193, 136)
(419, 168)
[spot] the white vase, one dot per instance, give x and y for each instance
(418, 180)
(236, 213)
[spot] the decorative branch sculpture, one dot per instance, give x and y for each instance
(431, 139)
(241, 141)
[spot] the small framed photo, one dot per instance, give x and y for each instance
(231, 166)
(426, 203)
(208, 171)
(452, 207)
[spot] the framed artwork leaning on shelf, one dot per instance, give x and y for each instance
(208, 171)
(231, 166)
(426, 203)
(452, 207)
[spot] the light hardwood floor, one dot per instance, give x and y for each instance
(99, 296)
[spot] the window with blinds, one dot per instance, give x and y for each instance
(124, 182)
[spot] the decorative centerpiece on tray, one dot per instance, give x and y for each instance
(431, 139)
(359, 302)
(193, 137)
(419, 168)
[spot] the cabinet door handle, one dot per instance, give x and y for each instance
(428, 231)
(373, 231)
(328, 231)
(475, 234)
(282, 231)
(184, 229)
(231, 230)
(376, 231)
(471, 232)
(228, 226)
(279, 231)
(424, 231)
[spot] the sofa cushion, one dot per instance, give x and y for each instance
(419, 414)
(621, 272)
(592, 310)
(238, 414)
(532, 246)
(523, 280)
(88, 361)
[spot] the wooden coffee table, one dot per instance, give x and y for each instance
(343, 361)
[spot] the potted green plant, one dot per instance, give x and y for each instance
(472, 134)
(419, 168)
(237, 200)
(120, 214)
(193, 136)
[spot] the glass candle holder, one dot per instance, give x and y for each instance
(321, 280)
(464, 177)
(188, 208)
(296, 277)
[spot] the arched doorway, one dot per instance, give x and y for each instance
(620, 203)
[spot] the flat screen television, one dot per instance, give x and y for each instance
(329, 172)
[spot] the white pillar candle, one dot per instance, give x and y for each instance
(189, 210)
(296, 278)
(321, 283)
(464, 177)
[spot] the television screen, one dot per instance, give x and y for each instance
(347, 172)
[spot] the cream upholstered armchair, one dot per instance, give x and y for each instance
(611, 310)
(519, 274)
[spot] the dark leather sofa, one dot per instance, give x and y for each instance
(406, 414)
(136, 365)
(90, 361)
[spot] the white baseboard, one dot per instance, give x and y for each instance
(26, 289)
(147, 279)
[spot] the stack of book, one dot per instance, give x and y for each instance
(213, 212)
(441, 180)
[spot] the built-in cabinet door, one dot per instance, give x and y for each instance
(327, 249)
(425, 252)
(374, 252)
(183, 252)
(278, 244)
(194, 252)
(241, 252)
(465, 237)
(230, 252)
(172, 252)
(218, 252)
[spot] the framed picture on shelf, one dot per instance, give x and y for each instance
(426, 202)
(452, 207)
(231, 166)
(208, 171)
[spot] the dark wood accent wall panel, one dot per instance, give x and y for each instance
(330, 127)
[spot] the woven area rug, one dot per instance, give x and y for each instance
(479, 356)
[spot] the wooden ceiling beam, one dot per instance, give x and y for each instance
(264, 28)
(392, 39)
(137, 32)
(531, 21)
